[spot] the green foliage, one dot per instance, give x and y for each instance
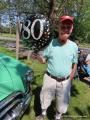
(7, 52)
(31, 6)
(78, 32)
(7, 30)
(80, 9)
(3, 5)
(8, 35)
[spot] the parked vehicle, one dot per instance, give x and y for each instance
(15, 92)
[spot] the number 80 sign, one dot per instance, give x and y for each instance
(36, 32)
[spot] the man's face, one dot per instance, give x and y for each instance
(65, 30)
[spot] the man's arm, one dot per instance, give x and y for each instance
(40, 58)
(74, 68)
(74, 62)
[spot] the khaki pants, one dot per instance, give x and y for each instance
(55, 90)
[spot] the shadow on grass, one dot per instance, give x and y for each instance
(27, 111)
(51, 111)
(74, 91)
(81, 113)
(37, 105)
(88, 108)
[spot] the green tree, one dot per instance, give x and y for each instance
(3, 6)
(82, 23)
(80, 9)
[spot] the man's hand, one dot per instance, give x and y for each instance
(33, 55)
(72, 75)
(40, 58)
(73, 71)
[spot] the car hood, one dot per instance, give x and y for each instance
(12, 74)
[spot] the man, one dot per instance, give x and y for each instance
(88, 60)
(86, 67)
(61, 57)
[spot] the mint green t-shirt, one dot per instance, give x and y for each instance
(61, 57)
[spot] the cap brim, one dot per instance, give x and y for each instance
(65, 19)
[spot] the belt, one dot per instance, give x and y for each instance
(56, 78)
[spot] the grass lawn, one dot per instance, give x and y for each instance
(79, 108)
(87, 45)
(7, 35)
(14, 36)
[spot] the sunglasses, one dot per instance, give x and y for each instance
(66, 26)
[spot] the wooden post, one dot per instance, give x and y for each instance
(29, 54)
(17, 40)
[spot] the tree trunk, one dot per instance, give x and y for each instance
(0, 25)
(17, 40)
(10, 29)
(52, 9)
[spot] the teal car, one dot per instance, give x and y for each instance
(15, 92)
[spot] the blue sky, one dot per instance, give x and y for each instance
(5, 20)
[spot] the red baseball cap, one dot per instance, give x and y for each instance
(65, 19)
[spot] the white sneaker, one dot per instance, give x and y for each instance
(40, 117)
(58, 116)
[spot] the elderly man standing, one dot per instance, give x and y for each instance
(61, 57)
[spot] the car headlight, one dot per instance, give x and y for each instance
(29, 75)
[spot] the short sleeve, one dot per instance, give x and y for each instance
(46, 51)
